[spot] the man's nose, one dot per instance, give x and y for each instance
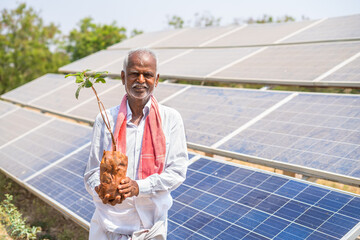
(141, 78)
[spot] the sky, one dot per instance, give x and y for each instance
(153, 15)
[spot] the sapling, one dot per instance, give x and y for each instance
(86, 80)
(113, 165)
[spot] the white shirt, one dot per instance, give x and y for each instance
(154, 199)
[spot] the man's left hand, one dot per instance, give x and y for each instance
(128, 187)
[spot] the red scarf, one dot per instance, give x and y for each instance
(153, 151)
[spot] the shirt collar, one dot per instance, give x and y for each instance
(146, 110)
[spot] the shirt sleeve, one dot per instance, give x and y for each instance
(176, 163)
(92, 171)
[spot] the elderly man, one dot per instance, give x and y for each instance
(155, 166)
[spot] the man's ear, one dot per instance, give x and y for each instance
(157, 80)
(123, 77)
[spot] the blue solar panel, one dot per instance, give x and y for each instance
(45, 145)
(320, 131)
(19, 122)
(221, 110)
(223, 201)
(64, 183)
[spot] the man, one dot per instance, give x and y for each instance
(150, 129)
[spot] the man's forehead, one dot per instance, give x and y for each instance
(142, 59)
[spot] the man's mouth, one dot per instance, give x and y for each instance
(137, 86)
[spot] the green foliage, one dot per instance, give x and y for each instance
(266, 19)
(92, 38)
(13, 221)
(135, 32)
(206, 20)
(176, 22)
(25, 44)
(86, 79)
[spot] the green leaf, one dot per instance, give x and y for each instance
(78, 91)
(88, 83)
(79, 79)
(100, 80)
(98, 74)
(72, 74)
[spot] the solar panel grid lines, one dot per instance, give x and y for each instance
(300, 30)
(297, 63)
(257, 34)
(9, 142)
(223, 35)
(348, 73)
(175, 94)
(344, 27)
(60, 207)
(337, 67)
(277, 222)
(254, 120)
(56, 162)
(6, 108)
(235, 62)
(41, 146)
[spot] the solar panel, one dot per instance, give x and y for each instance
(219, 109)
(6, 108)
(64, 183)
(95, 61)
(112, 61)
(227, 201)
(64, 99)
(194, 37)
(30, 91)
(42, 146)
(19, 122)
(346, 27)
(146, 39)
(259, 34)
(320, 131)
(291, 63)
(201, 62)
(348, 73)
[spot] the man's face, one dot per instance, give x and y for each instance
(140, 77)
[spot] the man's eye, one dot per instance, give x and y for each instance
(148, 75)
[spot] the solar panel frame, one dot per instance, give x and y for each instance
(270, 33)
(193, 212)
(298, 63)
(6, 108)
(146, 39)
(336, 28)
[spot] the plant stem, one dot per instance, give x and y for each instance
(107, 122)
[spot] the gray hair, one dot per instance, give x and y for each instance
(140, 51)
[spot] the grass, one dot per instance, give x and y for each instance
(54, 226)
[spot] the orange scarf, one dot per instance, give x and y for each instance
(153, 151)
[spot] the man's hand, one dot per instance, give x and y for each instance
(105, 198)
(128, 187)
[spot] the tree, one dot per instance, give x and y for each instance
(25, 44)
(93, 37)
(135, 32)
(206, 20)
(175, 22)
(264, 19)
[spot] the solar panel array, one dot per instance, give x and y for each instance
(312, 53)
(218, 200)
(313, 134)
(223, 201)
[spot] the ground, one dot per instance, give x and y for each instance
(54, 225)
